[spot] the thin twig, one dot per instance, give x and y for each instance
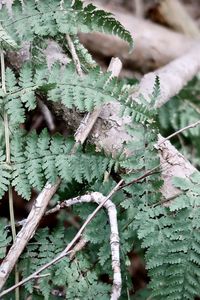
(74, 55)
(80, 245)
(193, 125)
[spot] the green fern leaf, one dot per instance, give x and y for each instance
(47, 18)
(85, 93)
(4, 174)
(6, 41)
(37, 159)
(173, 243)
(4, 240)
(99, 20)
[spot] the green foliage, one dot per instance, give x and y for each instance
(76, 276)
(4, 240)
(37, 159)
(54, 18)
(169, 234)
(85, 93)
(4, 175)
(6, 41)
(85, 57)
(182, 111)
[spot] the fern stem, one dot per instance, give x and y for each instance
(8, 161)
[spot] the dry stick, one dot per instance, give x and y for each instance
(78, 247)
(193, 125)
(27, 231)
(150, 40)
(114, 236)
(173, 77)
(74, 56)
(83, 131)
(69, 246)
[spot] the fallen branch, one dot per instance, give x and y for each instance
(110, 132)
(114, 235)
(27, 231)
(173, 163)
(173, 77)
(139, 8)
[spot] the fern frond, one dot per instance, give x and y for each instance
(26, 83)
(4, 240)
(48, 18)
(85, 93)
(6, 41)
(43, 250)
(156, 92)
(36, 160)
(4, 175)
(101, 21)
(171, 236)
(19, 94)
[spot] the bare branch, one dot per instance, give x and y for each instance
(27, 231)
(114, 236)
(78, 247)
(193, 125)
(173, 163)
(173, 77)
(74, 55)
(154, 47)
(175, 14)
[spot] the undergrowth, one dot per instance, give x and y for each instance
(169, 235)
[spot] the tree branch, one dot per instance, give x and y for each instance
(27, 231)
(114, 235)
(173, 77)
